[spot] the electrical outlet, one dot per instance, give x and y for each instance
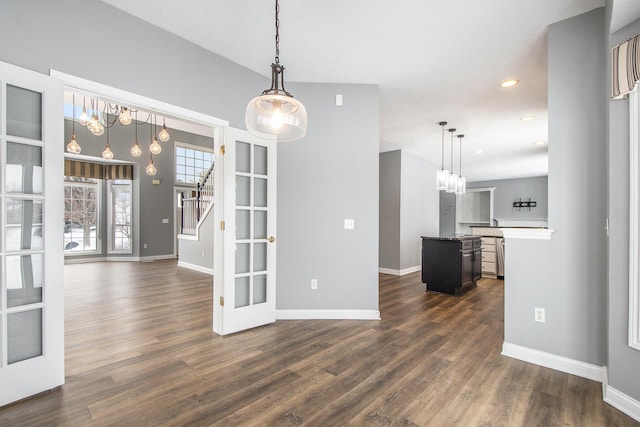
(539, 315)
(144, 246)
(203, 252)
(314, 283)
(349, 224)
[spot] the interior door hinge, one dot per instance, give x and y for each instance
(222, 301)
(222, 149)
(222, 225)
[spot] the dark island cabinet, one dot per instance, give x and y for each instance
(451, 265)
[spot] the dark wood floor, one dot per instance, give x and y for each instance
(140, 352)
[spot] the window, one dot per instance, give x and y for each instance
(81, 219)
(192, 163)
(120, 230)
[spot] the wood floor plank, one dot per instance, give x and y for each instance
(140, 351)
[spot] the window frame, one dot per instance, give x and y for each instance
(197, 148)
(98, 189)
(634, 221)
(111, 216)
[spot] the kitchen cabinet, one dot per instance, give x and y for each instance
(489, 260)
(451, 265)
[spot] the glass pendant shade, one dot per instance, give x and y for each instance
(155, 148)
(107, 153)
(151, 169)
(276, 114)
(136, 151)
(84, 117)
(164, 135)
(73, 147)
(125, 116)
(452, 183)
(95, 127)
(462, 185)
(442, 179)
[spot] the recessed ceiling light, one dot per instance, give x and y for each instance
(510, 83)
(479, 151)
(527, 118)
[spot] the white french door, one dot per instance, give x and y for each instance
(245, 254)
(31, 233)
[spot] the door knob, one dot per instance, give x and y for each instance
(271, 239)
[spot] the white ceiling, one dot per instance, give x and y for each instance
(433, 61)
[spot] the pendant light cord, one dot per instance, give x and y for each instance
(277, 32)
(442, 125)
(460, 140)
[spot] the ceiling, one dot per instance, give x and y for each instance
(433, 61)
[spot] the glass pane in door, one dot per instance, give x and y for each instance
(24, 278)
(24, 335)
(24, 225)
(23, 169)
(24, 113)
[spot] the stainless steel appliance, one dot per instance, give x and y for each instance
(500, 257)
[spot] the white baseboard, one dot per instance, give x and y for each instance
(620, 401)
(151, 258)
(327, 314)
(553, 361)
(195, 267)
(400, 272)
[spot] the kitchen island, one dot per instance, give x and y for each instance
(451, 264)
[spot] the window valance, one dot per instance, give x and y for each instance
(626, 67)
(97, 170)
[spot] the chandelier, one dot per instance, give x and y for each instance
(112, 114)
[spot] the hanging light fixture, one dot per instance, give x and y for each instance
(461, 186)
(95, 126)
(275, 111)
(452, 180)
(136, 151)
(84, 117)
(107, 153)
(155, 148)
(442, 176)
(73, 147)
(164, 135)
(125, 116)
(151, 168)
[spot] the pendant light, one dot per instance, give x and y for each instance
(452, 180)
(73, 147)
(164, 135)
(151, 168)
(442, 176)
(107, 153)
(95, 126)
(84, 117)
(461, 186)
(136, 151)
(125, 116)
(155, 148)
(275, 111)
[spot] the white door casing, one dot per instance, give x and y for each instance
(245, 244)
(31, 241)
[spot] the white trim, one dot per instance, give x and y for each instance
(527, 233)
(83, 260)
(195, 267)
(553, 361)
(148, 258)
(188, 236)
(620, 401)
(400, 272)
(634, 222)
(327, 315)
(150, 104)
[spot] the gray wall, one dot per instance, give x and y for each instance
(199, 252)
(420, 208)
(567, 274)
(409, 208)
(329, 175)
(151, 202)
(508, 191)
(390, 179)
(623, 361)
